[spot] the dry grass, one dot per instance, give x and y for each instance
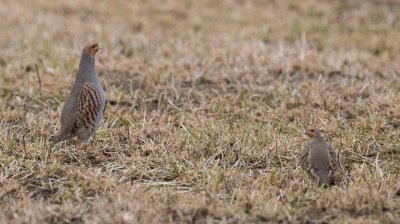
(207, 100)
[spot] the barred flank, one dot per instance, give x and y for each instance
(89, 105)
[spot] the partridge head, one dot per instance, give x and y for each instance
(312, 133)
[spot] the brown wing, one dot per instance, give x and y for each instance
(337, 175)
(89, 106)
(333, 158)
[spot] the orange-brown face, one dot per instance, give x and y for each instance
(311, 132)
(92, 49)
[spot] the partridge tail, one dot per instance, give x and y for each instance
(324, 177)
(60, 137)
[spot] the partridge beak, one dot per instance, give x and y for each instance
(304, 133)
(98, 47)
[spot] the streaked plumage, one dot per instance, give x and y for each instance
(84, 108)
(320, 160)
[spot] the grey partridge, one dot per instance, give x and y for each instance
(320, 160)
(84, 108)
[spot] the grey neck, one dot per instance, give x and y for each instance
(87, 69)
(318, 138)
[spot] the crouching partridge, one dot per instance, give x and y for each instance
(320, 160)
(84, 108)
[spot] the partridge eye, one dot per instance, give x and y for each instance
(312, 130)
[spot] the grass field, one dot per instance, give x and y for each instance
(206, 104)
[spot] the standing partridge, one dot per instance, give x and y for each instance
(320, 160)
(84, 108)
